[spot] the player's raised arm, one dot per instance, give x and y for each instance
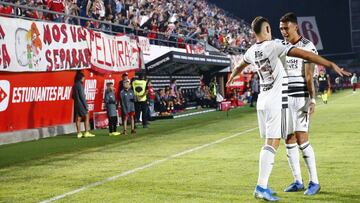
(237, 70)
(309, 56)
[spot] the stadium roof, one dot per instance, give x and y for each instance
(178, 63)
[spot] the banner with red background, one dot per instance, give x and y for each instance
(35, 100)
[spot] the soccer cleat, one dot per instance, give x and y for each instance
(294, 187)
(265, 194)
(312, 189)
(271, 191)
(113, 134)
(133, 131)
(80, 135)
(116, 133)
(88, 134)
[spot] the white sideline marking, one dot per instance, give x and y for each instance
(195, 113)
(144, 167)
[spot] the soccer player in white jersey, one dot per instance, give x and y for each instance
(267, 56)
(301, 93)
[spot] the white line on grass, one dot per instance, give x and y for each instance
(144, 167)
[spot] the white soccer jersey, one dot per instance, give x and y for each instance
(296, 70)
(268, 58)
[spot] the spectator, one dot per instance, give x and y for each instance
(160, 102)
(128, 107)
(254, 89)
(71, 8)
(151, 96)
(207, 97)
(179, 102)
(169, 98)
(56, 6)
(173, 88)
(111, 9)
(80, 106)
(200, 94)
(354, 82)
(31, 13)
(110, 104)
(83, 8)
(247, 95)
(5, 10)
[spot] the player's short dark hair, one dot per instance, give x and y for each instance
(289, 17)
(78, 76)
(257, 23)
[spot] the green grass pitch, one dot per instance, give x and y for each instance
(204, 158)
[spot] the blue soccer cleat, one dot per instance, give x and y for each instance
(312, 189)
(265, 194)
(294, 187)
(272, 192)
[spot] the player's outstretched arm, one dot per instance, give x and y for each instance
(309, 56)
(237, 70)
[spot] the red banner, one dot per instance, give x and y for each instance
(35, 100)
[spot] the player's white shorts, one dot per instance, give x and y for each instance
(273, 123)
(298, 114)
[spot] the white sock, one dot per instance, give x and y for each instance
(294, 162)
(309, 157)
(266, 162)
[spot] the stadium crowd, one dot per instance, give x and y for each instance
(165, 22)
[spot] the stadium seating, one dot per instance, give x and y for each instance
(169, 23)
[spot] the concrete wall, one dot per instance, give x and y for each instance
(35, 134)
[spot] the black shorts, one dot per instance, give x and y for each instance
(323, 88)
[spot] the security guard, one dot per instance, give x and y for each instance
(213, 92)
(141, 106)
(213, 88)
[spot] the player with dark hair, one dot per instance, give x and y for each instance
(301, 104)
(80, 106)
(267, 57)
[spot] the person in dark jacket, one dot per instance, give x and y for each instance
(127, 99)
(110, 103)
(80, 106)
(254, 89)
(125, 77)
